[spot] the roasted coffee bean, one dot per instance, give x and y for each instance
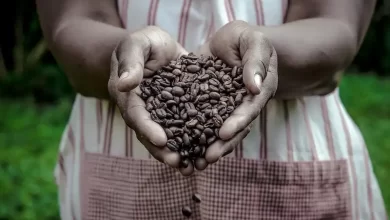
(190, 98)
(214, 82)
(166, 95)
(172, 145)
(200, 127)
(218, 121)
(192, 112)
(216, 132)
(234, 71)
(177, 91)
(196, 133)
(213, 101)
(211, 140)
(193, 68)
(186, 140)
(197, 198)
(149, 107)
(161, 113)
(202, 139)
(208, 132)
(213, 88)
(197, 150)
(204, 97)
(187, 212)
(238, 99)
(185, 163)
(215, 95)
(192, 123)
(169, 133)
(222, 111)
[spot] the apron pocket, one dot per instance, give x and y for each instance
(251, 189)
(127, 188)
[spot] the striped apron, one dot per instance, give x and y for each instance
(303, 159)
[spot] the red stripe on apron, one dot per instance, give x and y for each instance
(328, 130)
(61, 163)
(127, 142)
(109, 125)
(259, 12)
(183, 21)
(350, 154)
(290, 155)
(211, 27)
(368, 176)
(71, 138)
(230, 10)
(98, 118)
(152, 12)
(284, 8)
(309, 130)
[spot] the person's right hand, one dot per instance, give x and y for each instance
(138, 56)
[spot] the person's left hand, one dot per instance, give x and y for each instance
(239, 44)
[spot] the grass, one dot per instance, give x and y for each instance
(29, 137)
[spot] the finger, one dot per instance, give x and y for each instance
(246, 113)
(164, 155)
(139, 119)
(188, 170)
(255, 60)
(221, 148)
(160, 57)
(201, 164)
(131, 55)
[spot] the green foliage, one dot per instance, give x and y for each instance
(29, 137)
(30, 134)
(367, 101)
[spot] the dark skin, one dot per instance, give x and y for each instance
(299, 58)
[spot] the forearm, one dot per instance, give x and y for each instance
(83, 47)
(310, 54)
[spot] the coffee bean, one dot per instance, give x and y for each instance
(161, 113)
(186, 140)
(204, 97)
(193, 68)
(197, 198)
(169, 133)
(204, 77)
(192, 123)
(177, 91)
(185, 163)
(214, 88)
(190, 98)
(187, 212)
(166, 95)
(202, 139)
(192, 112)
(215, 95)
(218, 121)
(172, 145)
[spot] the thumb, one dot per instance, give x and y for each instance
(131, 61)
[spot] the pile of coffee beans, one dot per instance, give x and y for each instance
(191, 98)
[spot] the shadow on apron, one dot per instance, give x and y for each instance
(239, 189)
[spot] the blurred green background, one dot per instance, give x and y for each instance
(35, 102)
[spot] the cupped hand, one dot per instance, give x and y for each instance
(137, 56)
(240, 44)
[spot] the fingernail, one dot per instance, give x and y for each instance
(258, 80)
(124, 75)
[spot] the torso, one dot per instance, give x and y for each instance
(310, 138)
